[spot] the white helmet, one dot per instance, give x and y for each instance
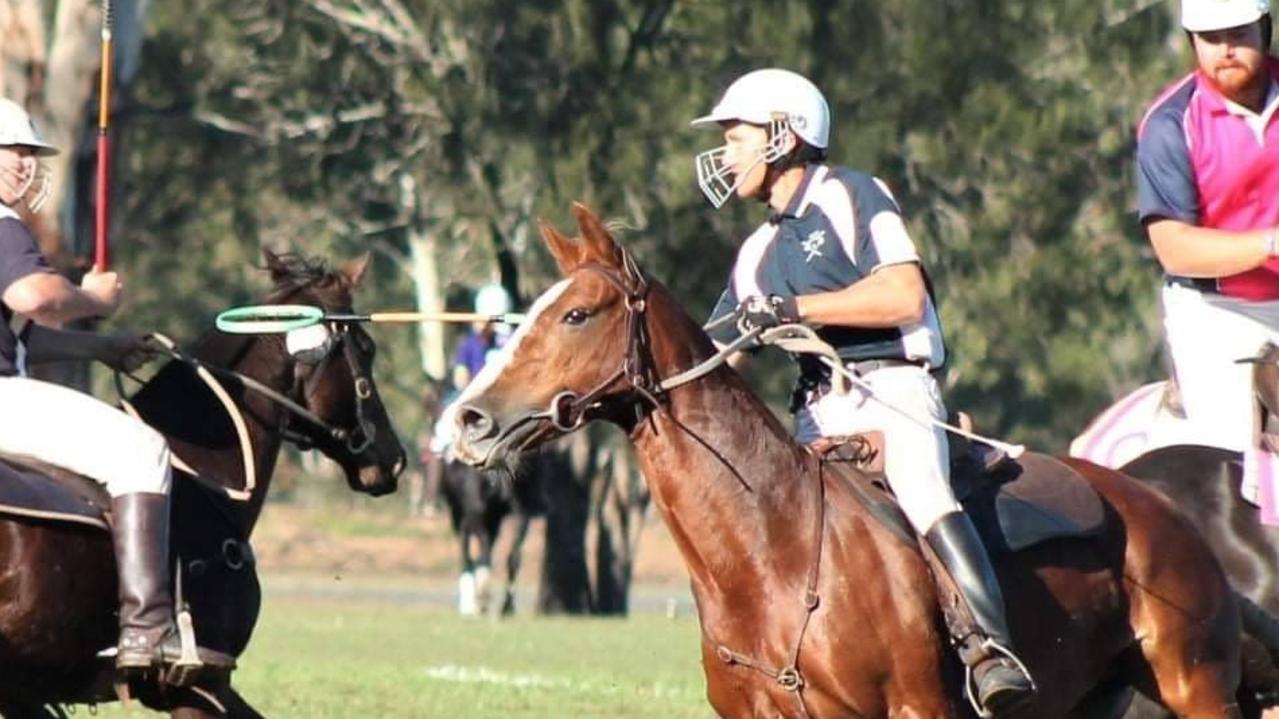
(492, 300)
(1209, 15)
(785, 102)
(16, 128)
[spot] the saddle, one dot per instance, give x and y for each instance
(1015, 504)
(35, 490)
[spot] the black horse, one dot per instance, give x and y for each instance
(58, 605)
(479, 503)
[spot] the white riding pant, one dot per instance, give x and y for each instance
(1206, 334)
(916, 456)
(80, 433)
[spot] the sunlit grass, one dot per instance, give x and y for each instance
(320, 660)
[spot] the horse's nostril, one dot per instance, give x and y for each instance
(477, 423)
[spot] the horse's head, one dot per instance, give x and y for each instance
(332, 376)
(583, 352)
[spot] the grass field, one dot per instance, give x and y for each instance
(320, 659)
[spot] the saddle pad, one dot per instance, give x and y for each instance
(25, 492)
(1045, 499)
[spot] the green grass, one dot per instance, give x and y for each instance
(320, 660)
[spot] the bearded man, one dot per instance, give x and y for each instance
(1208, 199)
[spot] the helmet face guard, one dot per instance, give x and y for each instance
(716, 178)
(38, 188)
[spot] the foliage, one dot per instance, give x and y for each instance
(337, 126)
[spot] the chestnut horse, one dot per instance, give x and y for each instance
(58, 606)
(809, 605)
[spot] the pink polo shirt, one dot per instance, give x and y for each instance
(1200, 162)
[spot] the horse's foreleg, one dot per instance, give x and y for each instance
(514, 557)
(237, 707)
(213, 702)
(466, 599)
(19, 709)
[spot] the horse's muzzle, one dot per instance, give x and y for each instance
(482, 441)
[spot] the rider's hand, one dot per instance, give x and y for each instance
(16, 175)
(104, 287)
(766, 312)
(126, 352)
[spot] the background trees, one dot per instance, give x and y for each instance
(434, 132)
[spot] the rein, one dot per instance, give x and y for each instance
(357, 439)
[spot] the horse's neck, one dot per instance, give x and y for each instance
(223, 462)
(733, 488)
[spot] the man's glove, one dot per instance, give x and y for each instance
(766, 312)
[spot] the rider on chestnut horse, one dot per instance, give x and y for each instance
(54, 425)
(835, 254)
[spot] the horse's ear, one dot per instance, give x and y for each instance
(278, 269)
(566, 252)
(354, 269)
(600, 245)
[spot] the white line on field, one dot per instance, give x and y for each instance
(484, 675)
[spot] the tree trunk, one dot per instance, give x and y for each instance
(423, 249)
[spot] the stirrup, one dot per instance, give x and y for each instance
(183, 670)
(993, 651)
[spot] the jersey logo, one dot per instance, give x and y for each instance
(813, 245)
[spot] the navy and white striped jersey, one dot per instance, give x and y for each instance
(840, 227)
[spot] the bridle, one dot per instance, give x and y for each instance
(358, 437)
(567, 411)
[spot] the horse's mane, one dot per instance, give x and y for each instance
(293, 272)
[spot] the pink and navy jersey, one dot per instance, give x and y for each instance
(1202, 163)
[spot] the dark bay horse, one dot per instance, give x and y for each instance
(58, 603)
(1204, 482)
(809, 605)
(480, 502)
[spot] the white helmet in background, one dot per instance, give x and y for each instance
(785, 102)
(1209, 15)
(16, 128)
(492, 300)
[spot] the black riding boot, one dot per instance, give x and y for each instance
(148, 634)
(1000, 681)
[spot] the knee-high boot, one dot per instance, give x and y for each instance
(1000, 681)
(148, 634)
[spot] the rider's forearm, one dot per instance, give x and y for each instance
(1189, 251)
(46, 344)
(51, 299)
(893, 296)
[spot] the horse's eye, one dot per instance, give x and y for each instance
(576, 316)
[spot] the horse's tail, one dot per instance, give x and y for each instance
(1260, 650)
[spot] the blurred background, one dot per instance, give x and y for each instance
(434, 134)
